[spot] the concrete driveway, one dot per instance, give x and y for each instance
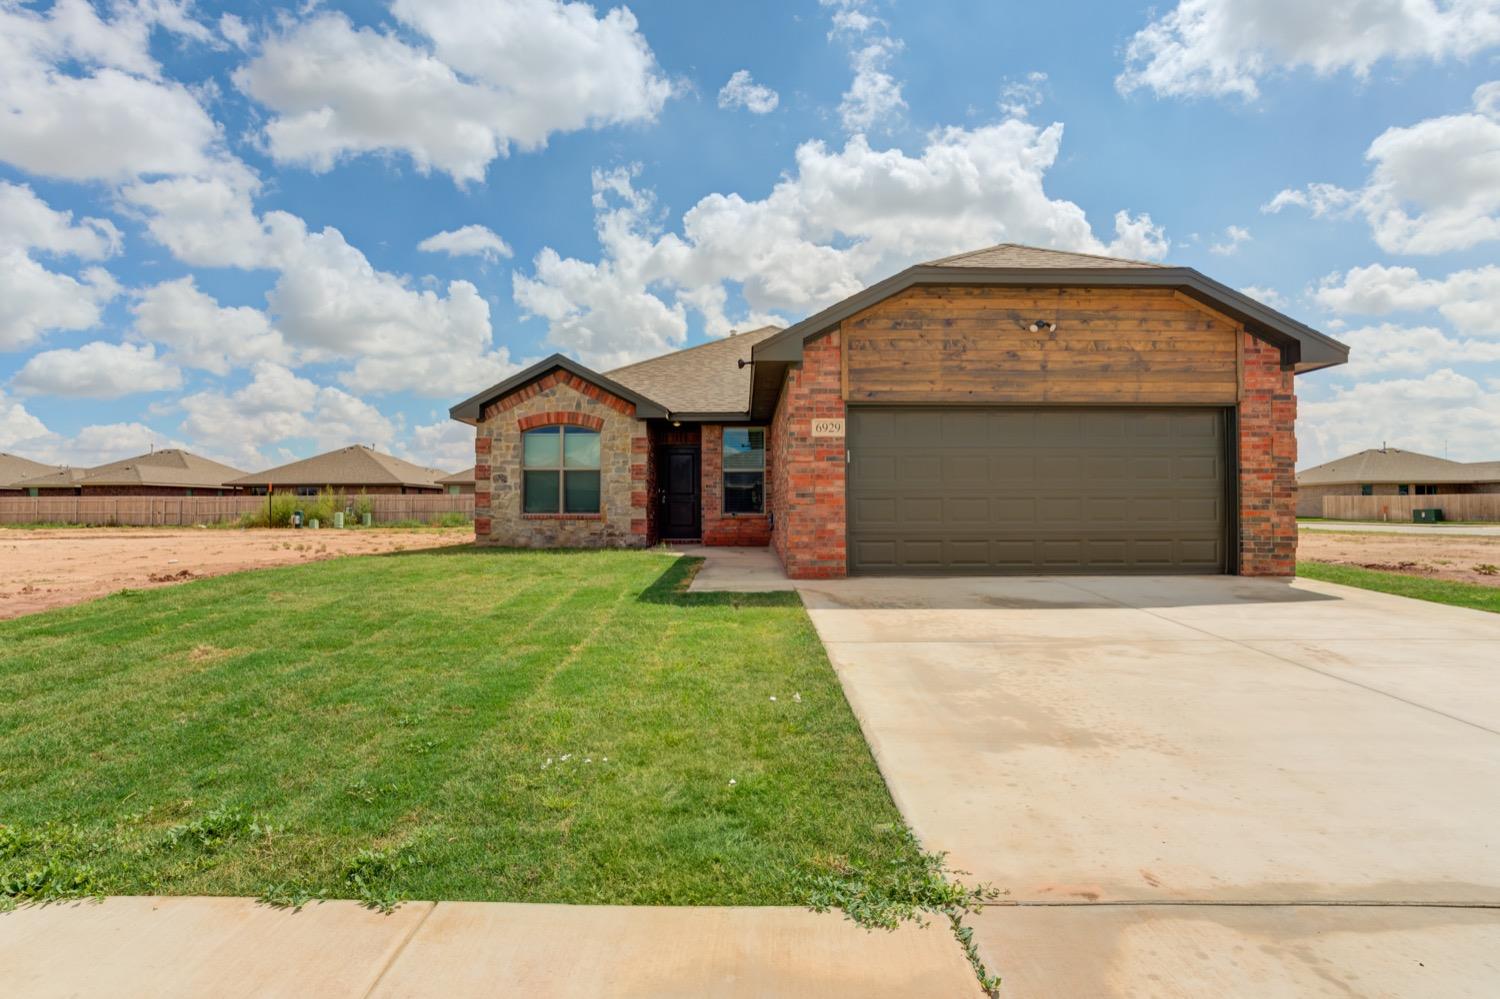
(1193, 786)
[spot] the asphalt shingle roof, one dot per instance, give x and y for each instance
(170, 467)
(1392, 464)
(466, 477)
(1017, 255)
(701, 379)
(353, 466)
(14, 468)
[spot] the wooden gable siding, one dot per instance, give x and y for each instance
(972, 345)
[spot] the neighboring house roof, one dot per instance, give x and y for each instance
(14, 468)
(171, 467)
(63, 478)
(1391, 464)
(353, 466)
(707, 378)
(464, 478)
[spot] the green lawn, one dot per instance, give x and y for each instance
(1486, 598)
(449, 724)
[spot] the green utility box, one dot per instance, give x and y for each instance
(1428, 515)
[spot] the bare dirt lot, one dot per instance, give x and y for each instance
(1439, 556)
(42, 569)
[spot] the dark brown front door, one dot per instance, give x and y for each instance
(678, 512)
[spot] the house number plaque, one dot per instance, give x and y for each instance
(828, 428)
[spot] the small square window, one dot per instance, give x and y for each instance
(1367, 490)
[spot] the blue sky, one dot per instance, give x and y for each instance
(259, 231)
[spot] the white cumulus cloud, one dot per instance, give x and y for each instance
(1469, 299)
(98, 370)
(456, 87)
(201, 333)
(741, 91)
(29, 223)
(842, 220)
(1434, 187)
(1218, 48)
(84, 99)
(469, 240)
(1443, 408)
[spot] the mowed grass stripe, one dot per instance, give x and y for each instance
(409, 704)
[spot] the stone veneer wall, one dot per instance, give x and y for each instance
(561, 397)
(1267, 463)
(807, 473)
(720, 528)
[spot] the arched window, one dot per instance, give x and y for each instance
(560, 470)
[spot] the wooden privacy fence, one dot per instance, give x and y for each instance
(185, 511)
(1455, 506)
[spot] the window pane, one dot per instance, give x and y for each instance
(744, 448)
(581, 448)
(540, 447)
(539, 491)
(582, 492)
(744, 492)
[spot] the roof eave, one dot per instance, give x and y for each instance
(471, 410)
(1306, 348)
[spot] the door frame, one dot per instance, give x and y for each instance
(663, 452)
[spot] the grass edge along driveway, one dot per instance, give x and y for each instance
(1456, 594)
(446, 724)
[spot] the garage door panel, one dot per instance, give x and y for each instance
(1036, 490)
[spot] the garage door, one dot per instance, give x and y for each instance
(1037, 490)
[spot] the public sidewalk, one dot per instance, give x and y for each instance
(235, 947)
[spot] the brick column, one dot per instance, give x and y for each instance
(1268, 463)
(482, 484)
(807, 494)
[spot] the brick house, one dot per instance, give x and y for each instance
(459, 483)
(1011, 410)
(1390, 471)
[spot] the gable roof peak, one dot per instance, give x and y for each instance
(1023, 255)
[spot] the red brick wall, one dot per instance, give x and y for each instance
(720, 528)
(1268, 461)
(807, 473)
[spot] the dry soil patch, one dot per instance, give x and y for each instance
(42, 569)
(1439, 556)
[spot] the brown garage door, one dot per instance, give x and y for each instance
(1037, 490)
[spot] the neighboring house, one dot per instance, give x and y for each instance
(171, 472)
(14, 469)
(1390, 471)
(459, 483)
(1008, 410)
(354, 469)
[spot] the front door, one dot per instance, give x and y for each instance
(678, 515)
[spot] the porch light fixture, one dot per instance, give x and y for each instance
(1037, 325)
(676, 423)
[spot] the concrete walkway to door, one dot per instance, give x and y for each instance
(1193, 786)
